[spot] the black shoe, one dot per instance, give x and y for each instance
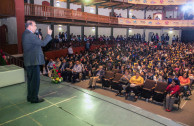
(29, 100)
(135, 99)
(90, 86)
(38, 101)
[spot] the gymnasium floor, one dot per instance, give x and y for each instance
(70, 105)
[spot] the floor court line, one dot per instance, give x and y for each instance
(25, 101)
(37, 110)
(186, 101)
(18, 108)
(68, 112)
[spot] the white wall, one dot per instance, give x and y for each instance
(122, 12)
(150, 12)
(89, 31)
(76, 30)
(138, 13)
(74, 6)
(43, 28)
(170, 13)
(39, 2)
(91, 10)
(59, 28)
(171, 33)
(119, 31)
(104, 31)
(12, 29)
(60, 4)
(135, 31)
(105, 12)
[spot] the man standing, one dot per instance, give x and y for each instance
(33, 58)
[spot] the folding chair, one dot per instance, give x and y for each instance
(109, 75)
(147, 89)
(159, 92)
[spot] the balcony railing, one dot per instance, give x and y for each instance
(62, 13)
(55, 12)
(156, 2)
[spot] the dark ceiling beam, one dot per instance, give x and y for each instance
(99, 3)
(105, 6)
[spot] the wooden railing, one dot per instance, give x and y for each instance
(55, 12)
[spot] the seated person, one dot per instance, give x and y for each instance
(136, 82)
(124, 81)
(172, 90)
(99, 74)
(77, 69)
(50, 67)
(62, 69)
(185, 85)
(68, 71)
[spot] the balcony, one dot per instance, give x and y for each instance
(46, 13)
(156, 2)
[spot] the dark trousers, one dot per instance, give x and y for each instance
(136, 90)
(33, 82)
(75, 76)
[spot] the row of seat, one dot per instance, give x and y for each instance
(151, 89)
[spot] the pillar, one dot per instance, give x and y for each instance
(68, 4)
(111, 32)
(96, 32)
(20, 19)
(52, 3)
(96, 9)
(52, 28)
(68, 32)
(82, 32)
(128, 13)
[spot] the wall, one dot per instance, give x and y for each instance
(170, 13)
(91, 10)
(147, 31)
(150, 12)
(76, 30)
(122, 12)
(74, 6)
(89, 31)
(43, 28)
(135, 31)
(105, 12)
(138, 13)
(104, 31)
(119, 31)
(59, 28)
(12, 29)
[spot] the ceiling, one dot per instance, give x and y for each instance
(117, 5)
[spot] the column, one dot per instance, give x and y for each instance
(82, 7)
(96, 32)
(145, 10)
(52, 28)
(82, 32)
(20, 19)
(144, 35)
(31, 1)
(52, 3)
(112, 11)
(68, 32)
(111, 32)
(128, 13)
(96, 9)
(68, 4)
(127, 33)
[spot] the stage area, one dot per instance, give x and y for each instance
(70, 105)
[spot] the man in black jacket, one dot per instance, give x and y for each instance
(33, 58)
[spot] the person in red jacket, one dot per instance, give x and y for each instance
(172, 90)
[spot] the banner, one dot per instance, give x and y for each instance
(160, 2)
(162, 23)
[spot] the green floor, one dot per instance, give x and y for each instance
(68, 105)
